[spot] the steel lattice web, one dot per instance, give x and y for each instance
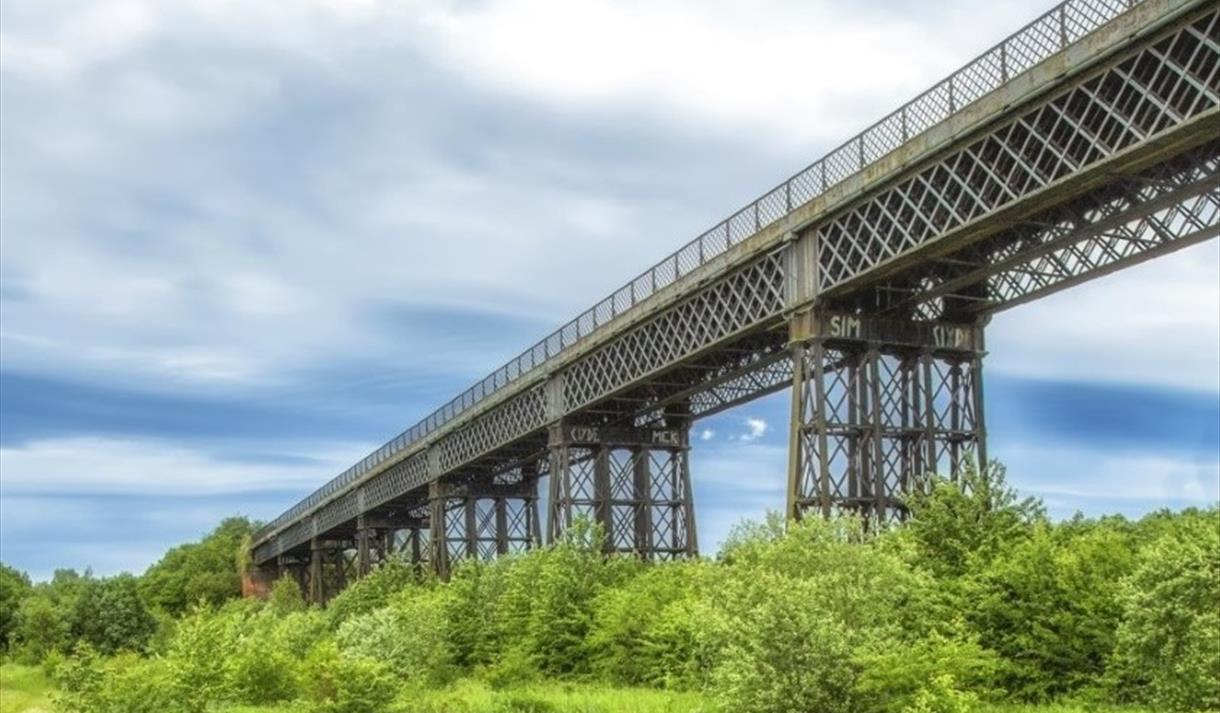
(1163, 85)
(1164, 208)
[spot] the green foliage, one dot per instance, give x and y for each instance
(957, 528)
(286, 596)
(1168, 644)
(941, 695)
(370, 592)
(41, 627)
(898, 677)
(1048, 604)
(799, 607)
(206, 571)
(648, 630)
(340, 683)
(14, 587)
(979, 601)
(409, 635)
(110, 615)
(198, 658)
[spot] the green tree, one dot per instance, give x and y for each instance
(205, 571)
(14, 587)
(111, 616)
(959, 526)
(1168, 644)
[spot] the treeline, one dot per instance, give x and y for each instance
(122, 613)
(978, 598)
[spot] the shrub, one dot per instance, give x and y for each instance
(1049, 604)
(370, 592)
(796, 608)
(646, 631)
(286, 596)
(196, 660)
(942, 695)
(14, 587)
(409, 635)
(1168, 644)
(110, 615)
(347, 684)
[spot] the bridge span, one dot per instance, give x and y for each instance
(1084, 143)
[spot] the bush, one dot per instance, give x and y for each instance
(1049, 604)
(110, 615)
(942, 695)
(286, 596)
(347, 684)
(646, 631)
(797, 608)
(409, 635)
(370, 592)
(14, 587)
(1168, 644)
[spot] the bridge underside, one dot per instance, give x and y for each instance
(870, 307)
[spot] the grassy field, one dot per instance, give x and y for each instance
(26, 690)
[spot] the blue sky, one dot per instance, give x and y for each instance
(243, 243)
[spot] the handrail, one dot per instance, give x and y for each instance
(1048, 34)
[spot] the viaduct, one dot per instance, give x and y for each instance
(1084, 143)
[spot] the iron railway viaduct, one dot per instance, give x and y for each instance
(1086, 142)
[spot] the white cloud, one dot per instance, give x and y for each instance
(707, 434)
(1083, 474)
(96, 465)
(755, 429)
(210, 194)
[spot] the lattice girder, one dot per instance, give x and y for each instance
(1166, 83)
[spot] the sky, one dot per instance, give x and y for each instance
(244, 243)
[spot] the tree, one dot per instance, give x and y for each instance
(1168, 644)
(955, 524)
(1049, 604)
(110, 615)
(205, 571)
(14, 587)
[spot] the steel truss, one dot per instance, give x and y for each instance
(483, 520)
(1089, 174)
(877, 406)
(632, 483)
(1167, 207)
(1168, 82)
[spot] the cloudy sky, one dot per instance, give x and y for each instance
(245, 242)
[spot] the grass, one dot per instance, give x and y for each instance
(26, 690)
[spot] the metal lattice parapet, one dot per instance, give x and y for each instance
(878, 405)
